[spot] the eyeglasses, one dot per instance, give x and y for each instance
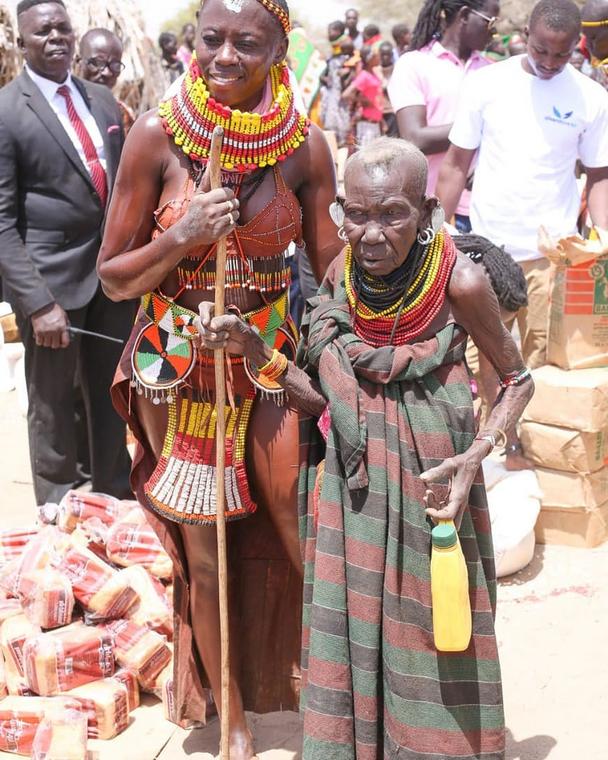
(491, 21)
(99, 64)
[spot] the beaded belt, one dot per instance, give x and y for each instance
(164, 354)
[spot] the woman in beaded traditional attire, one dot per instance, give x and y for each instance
(382, 362)
(159, 244)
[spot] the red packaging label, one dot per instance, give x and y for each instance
(17, 733)
(85, 574)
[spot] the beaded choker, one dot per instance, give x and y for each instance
(251, 140)
(399, 308)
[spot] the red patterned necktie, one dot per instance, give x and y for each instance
(98, 174)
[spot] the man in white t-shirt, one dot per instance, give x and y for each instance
(531, 117)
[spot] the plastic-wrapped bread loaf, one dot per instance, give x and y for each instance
(104, 592)
(132, 541)
(9, 608)
(162, 688)
(77, 506)
(152, 607)
(106, 704)
(62, 736)
(20, 718)
(19, 721)
(44, 549)
(3, 687)
(13, 542)
(61, 660)
(47, 598)
(14, 632)
(129, 679)
(139, 649)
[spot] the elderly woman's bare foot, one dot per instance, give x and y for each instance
(241, 744)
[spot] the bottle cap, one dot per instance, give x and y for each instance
(444, 535)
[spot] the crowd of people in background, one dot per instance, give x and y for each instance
(413, 85)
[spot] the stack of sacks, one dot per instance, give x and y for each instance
(75, 598)
(565, 433)
(577, 335)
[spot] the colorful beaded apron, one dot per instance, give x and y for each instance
(168, 368)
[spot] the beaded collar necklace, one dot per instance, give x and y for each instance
(251, 140)
(397, 309)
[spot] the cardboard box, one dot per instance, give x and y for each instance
(570, 490)
(563, 449)
(572, 527)
(577, 399)
(578, 316)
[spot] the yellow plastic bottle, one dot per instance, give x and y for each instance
(450, 590)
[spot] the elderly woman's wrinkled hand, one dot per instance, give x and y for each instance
(460, 470)
(228, 332)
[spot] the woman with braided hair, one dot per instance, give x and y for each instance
(160, 244)
(445, 48)
(508, 282)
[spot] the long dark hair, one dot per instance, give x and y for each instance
(436, 14)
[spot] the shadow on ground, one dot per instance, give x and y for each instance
(529, 573)
(534, 748)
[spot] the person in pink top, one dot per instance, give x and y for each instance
(186, 49)
(365, 92)
(445, 47)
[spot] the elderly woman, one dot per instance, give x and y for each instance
(382, 363)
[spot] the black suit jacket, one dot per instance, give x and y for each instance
(50, 214)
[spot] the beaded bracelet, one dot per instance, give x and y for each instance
(275, 366)
(516, 379)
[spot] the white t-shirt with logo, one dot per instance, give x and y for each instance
(529, 132)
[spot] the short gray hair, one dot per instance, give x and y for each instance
(386, 152)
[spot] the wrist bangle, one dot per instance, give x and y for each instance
(496, 437)
(275, 366)
(488, 437)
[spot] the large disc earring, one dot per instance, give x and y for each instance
(336, 213)
(425, 237)
(437, 218)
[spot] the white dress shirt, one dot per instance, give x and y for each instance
(48, 88)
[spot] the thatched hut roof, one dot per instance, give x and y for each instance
(142, 83)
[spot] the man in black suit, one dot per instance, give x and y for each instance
(60, 144)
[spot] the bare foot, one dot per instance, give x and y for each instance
(241, 744)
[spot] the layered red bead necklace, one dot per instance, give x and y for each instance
(398, 309)
(251, 140)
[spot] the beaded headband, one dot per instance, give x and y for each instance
(595, 23)
(279, 12)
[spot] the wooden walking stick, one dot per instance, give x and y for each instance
(214, 169)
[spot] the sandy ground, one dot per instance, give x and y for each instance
(552, 625)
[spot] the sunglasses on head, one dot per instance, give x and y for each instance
(491, 21)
